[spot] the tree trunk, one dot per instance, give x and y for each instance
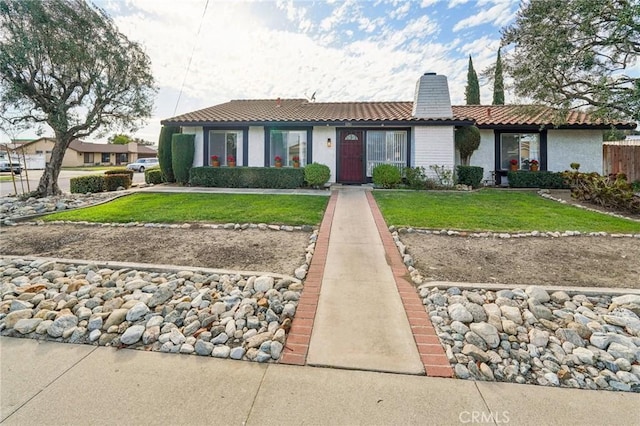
(49, 181)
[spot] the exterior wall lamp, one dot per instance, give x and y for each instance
(328, 142)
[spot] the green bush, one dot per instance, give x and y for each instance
(85, 184)
(636, 186)
(467, 140)
(247, 177)
(164, 151)
(120, 171)
(470, 175)
(611, 191)
(542, 179)
(415, 177)
(317, 175)
(386, 175)
(113, 182)
(153, 176)
(182, 151)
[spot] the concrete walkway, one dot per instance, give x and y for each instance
(360, 322)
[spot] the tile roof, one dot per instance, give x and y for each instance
(79, 146)
(300, 110)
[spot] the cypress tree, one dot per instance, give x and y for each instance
(472, 91)
(182, 152)
(498, 83)
(164, 151)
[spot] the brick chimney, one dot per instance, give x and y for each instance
(431, 99)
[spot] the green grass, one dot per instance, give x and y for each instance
(492, 210)
(215, 208)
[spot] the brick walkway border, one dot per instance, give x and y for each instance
(297, 344)
(430, 349)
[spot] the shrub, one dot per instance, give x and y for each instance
(120, 171)
(467, 140)
(164, 151)
(470, 175)
(153, 176)
(636, 186)
(443, 175)
(544, 179)
(611, 191)
(247, 177)
(317, 175)
(182, 151)
(415, 177)
(386, 175)
(85, 184)
(113, 182)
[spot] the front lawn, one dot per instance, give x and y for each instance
(215, 208)
(492, 210)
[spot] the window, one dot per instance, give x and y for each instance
(522, 147)
(106, 157)
(38, 152)
(123, 158)
(386, 147)
(88, 157)
(288, 144)
(224, 144)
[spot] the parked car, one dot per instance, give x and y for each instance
(10, 166)
(143, 163)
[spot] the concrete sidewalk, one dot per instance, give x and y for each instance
(56, 383)
(360, 321)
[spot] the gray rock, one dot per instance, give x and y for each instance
(160, 296)
(275, 349)
(512, 313)
(222, 351)
(176, 337)
(139, 310)
(263, 283)
(18, 305)
(475, 352)
(478, 313)
(237, 353)
(94, 335)
(263, 356)
(203, 348)
(620, 351)
(132, 335)
(117, 317)
(13, 317)
(186, 348)
(560, 297)
(510, 327)
(27, 325)
(461, 371)
(538, 293)
(62, 324)
(568, 335)
(488, 333)
(457, 312)
(540, 311)
(584, 355)
(151, 335)
(459, 327)
(538, 338)
(619, 386)
(220, 339)
(627, 299)
(552, 378)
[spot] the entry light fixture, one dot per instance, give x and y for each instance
(328, 142)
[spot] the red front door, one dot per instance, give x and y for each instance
(350, 149)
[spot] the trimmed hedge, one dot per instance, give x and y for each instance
(182, 152)
(153, 176)
(164, 151)
(86, 184)
(386, 175)
(120, 171)
(317, 175)
(113, 182)
(470, 175)
(542, 179)
(247, 177)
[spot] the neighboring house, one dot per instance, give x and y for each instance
(88, 154)
(352, 137)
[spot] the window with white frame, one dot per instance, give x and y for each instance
(386, 147)
(519, 148)
(289, 146)
(223, 144)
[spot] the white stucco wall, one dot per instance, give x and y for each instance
(574, 146)
(484, 156)
(433, 145)
(323, 154)
(256, 146)
(199, 145)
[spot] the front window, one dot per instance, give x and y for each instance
(106, 157)
(386, 147)
(288, 145)
(224, 145)
(88, 157)
(522, 148)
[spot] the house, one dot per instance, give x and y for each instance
(353, 137)
(87, 154)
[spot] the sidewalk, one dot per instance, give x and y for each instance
(57, 383)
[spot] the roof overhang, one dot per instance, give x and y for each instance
(333, 123)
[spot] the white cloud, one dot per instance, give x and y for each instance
(427, 3)
(499, 15)
(401, 11)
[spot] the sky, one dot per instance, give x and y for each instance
(206, 52)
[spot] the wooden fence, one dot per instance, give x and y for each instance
(622, 158)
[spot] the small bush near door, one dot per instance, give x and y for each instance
(469, 175)
(247, 177)
(317, 175)
(386, 175)
(544, 179)
(153, 176)
(415, 177)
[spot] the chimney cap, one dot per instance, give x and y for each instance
(429, 73)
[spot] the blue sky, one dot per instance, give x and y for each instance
(342, 50)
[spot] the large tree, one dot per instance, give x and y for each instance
(63, 63)
(577, 53)
(498, 82)
(472, 91)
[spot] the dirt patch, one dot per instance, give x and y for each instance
(570, 261)
(249, 250)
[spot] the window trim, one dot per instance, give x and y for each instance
(267, 142)
(245, 144)
(499, 171)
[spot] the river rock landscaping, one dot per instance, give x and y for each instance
(539, 337)
(12, 208)
(219, 314)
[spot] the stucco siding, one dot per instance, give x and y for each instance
(433, 146)
(574, 146)
(323, 154)
(484, 156)
(256, 146)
